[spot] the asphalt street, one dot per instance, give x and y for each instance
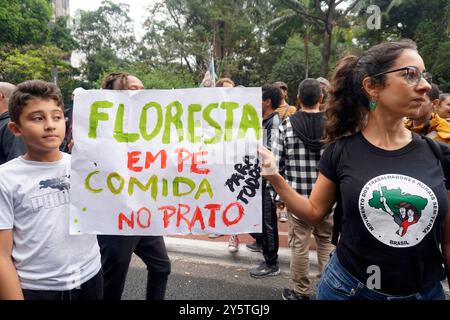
(195, 278)
(204, 270)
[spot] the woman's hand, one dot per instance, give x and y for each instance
(268, 162)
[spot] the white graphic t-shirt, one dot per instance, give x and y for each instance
(34, 202)
(393, 203)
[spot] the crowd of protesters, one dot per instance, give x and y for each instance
(348, 164)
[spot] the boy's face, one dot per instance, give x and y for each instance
(42, 125)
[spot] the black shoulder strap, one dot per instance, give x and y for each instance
(338, 211)
(285, 113)
(425, 128)
(437, 150)
(435, 147)
(337, 217)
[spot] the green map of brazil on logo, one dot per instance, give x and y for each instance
(406, 209)
(398, 210)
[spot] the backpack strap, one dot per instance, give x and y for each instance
(337, 218)
(436, 147)
(338, 211)
(425, 128)
(285, 113)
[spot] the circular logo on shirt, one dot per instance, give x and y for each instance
(398, 210)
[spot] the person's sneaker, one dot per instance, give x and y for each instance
(289, 294)
(264, 270)
(283, 216)
(255, 247)
(214, 235)
(233, 243)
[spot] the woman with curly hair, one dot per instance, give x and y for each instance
(368, 146)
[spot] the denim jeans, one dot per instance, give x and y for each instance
(337, 283)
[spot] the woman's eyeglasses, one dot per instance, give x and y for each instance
(412, 75)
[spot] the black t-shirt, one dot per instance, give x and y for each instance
(394, 204)
(10, 146)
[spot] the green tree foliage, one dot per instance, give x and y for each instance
(323, 17)
(441, 67)
(290, 66)
(110, 26)
(164, 77)
(60, 36)
(101, 62)
(34, 62)
(254, 41)
(105, 38)
(183, 31)
(33, 44)
(18, 65)
(24, 21)
(425, 22)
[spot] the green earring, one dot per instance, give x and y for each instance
(373, 105)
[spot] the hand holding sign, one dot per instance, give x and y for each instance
(268, 162)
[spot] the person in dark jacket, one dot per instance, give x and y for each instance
(10, 146)
(268, 239)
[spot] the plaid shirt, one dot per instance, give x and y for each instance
(297, 164)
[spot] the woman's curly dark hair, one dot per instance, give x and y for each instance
(349, 103)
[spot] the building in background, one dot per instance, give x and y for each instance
(61, 8)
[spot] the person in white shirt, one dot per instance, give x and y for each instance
(39, 259)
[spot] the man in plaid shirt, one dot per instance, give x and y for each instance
(298, 149)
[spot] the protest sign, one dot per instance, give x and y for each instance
(158, 162)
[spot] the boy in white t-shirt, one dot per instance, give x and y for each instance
(39, 259)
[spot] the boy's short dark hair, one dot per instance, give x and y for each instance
(273, 93)
(433, 94)
(309, 91)
(30, 90)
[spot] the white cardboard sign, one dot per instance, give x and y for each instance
(158, 162)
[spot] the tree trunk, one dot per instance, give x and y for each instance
(221, 39)
(306, 45)
(328, 32)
